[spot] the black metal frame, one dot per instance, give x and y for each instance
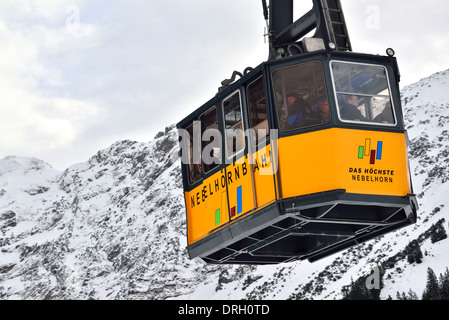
(326, 17)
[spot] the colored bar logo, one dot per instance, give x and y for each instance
(239, 208)
(366, 151)
(236, 210)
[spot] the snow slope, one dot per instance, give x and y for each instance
(114, 226)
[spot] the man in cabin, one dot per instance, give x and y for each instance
(295, 111)
(349, 108)
(300, 112)
(386, 116)
(311, 116)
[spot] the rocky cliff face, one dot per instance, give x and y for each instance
(114, 226)
(111, 227)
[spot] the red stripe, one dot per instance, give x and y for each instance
(373, 157)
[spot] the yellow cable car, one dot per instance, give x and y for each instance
(302, 157)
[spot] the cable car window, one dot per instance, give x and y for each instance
(257, 105)
(193, 165)
(234, 131)
(300, 94)
(210, 140)
(363, 93)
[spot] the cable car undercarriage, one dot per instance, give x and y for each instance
(309, 227)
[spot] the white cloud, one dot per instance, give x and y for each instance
(77, 75)
(36, 114)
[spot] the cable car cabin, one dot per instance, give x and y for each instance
(300, 158)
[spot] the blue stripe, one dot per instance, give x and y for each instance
(379, 150)
(239, 200)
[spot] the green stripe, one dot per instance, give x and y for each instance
(361, 151)
(217, 217)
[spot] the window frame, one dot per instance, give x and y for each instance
(325, 92)
(336, 95)
(189, 146)
(204, 172)
(249, 111)
(191, 165)
(225, 132)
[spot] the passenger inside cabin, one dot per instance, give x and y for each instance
(311, 115)
(325, 113)
(300, 112)
(295, 109)
(386, 116)
(349, 108)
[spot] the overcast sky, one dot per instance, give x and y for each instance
(79, 75)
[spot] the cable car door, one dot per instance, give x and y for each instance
(263, 156)
(240, 183)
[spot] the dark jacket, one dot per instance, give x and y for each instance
(299, 114)
(350, 112)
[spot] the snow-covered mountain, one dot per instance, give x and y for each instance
(114, 226)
